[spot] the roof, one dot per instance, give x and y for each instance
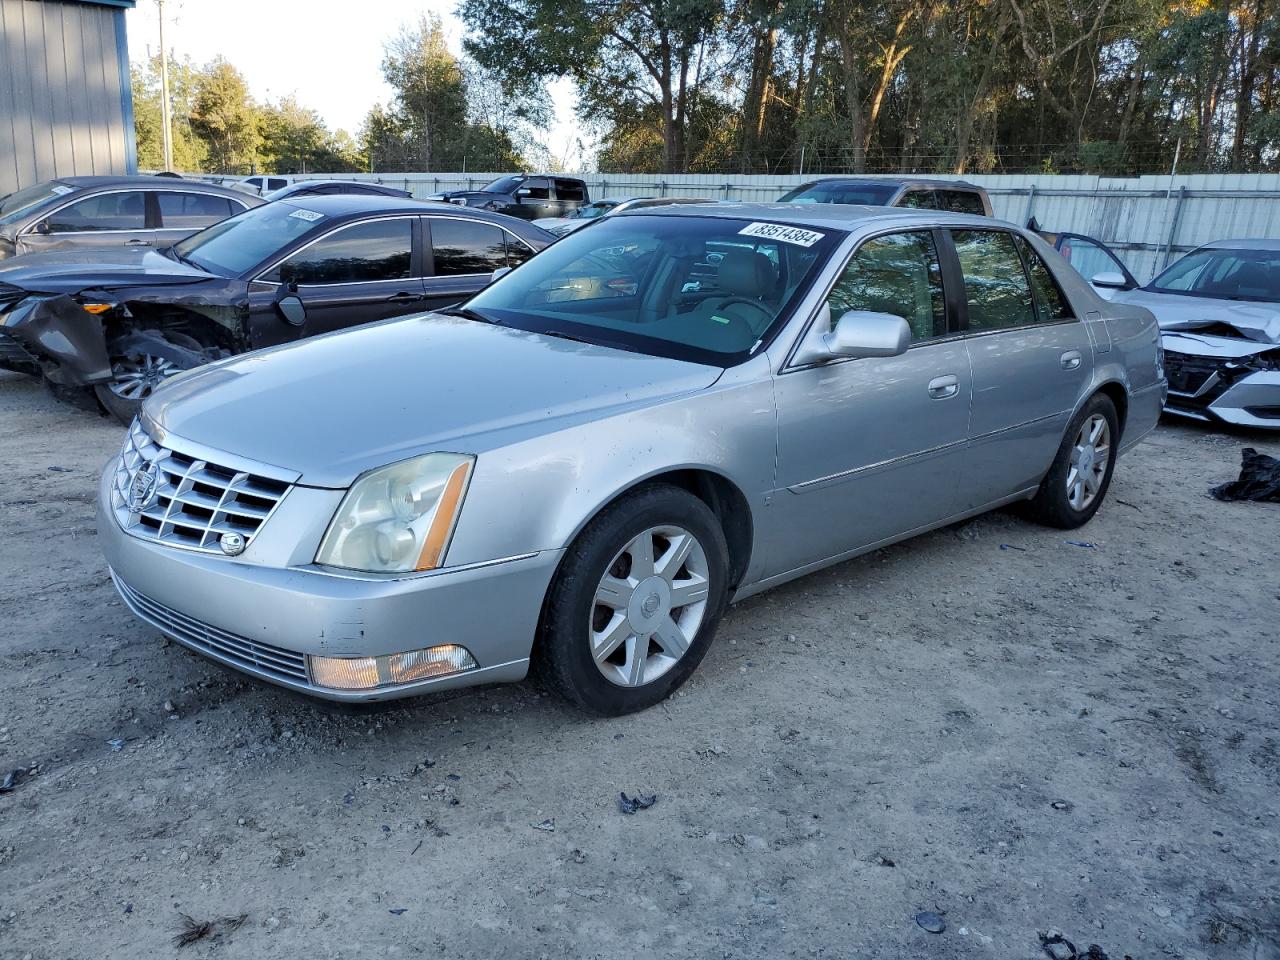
(128, 4)
(1255, 243)
(338, 205)
(142, 180)
(839, 216)
(900, 181)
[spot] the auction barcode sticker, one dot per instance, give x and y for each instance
(307, 215)
(776, 231)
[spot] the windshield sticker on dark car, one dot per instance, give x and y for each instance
(308, 215)
(61, 190)
(776, 231)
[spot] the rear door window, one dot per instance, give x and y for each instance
(919, 200)
(995, 284)
(360, 253)
(192, 211)
(961, 201)
(569, 190)
(125, 210)
(1051, 304)
(463, 247)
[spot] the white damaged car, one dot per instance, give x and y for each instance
(1219, 314)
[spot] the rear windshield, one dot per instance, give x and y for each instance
(1224, 275)
(27, 201)
(708, 289)
(871, 194)
(236, 245)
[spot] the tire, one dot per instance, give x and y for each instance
(149, 372)
(641, 670)
(1056, 503)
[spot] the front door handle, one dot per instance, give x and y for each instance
(137, 243)
(1071, 360)
(404, 298)
(940, 388)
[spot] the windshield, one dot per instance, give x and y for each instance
(24, 202)
(592, 210)
(847, 191)
(503, 185)
(707, 289)
(237, 244)
(1224, 275)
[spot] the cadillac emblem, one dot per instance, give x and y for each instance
(144, 487)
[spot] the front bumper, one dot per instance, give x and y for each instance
(265, 620)
(1220, 390)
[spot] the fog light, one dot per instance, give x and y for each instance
(368, 673)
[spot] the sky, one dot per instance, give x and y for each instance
(294, 47)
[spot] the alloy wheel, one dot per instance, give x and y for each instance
(649, 606)
(1089, 457)
(136, 377)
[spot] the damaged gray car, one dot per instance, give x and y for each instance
(117, 324)
(1219, 314)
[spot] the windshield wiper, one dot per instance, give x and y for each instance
(467, 313)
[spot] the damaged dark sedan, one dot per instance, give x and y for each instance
(119, 323)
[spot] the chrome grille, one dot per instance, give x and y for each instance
(249, 654)
(188, 503)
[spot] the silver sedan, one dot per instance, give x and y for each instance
(583, 465)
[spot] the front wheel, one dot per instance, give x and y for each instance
(1076, 484)
(636, 602)
(134, 378)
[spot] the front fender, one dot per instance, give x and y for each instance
(538, 494)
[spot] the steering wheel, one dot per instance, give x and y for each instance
(765, 312)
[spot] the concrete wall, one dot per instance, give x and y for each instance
(65, 104)
(1147, 220)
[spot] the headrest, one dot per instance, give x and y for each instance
(745, 273)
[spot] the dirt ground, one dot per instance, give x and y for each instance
(988, 722)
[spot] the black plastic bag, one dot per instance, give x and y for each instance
(1259, 479)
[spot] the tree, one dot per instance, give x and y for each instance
(430, 100)
(628, 57)
(225, 117)
(188, 151)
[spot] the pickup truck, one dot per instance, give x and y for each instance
(527, 196)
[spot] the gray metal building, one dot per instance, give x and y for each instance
(65, 102)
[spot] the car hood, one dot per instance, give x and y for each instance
(332, 407)
(1259, 322)
(67, 271)
(1209, 345)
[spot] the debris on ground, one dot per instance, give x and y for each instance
(116, 745)
(398, 911)
(884, 861)
(1082, 543)
(1010, 546)
(193, 930)
(12, 779)
(549, 825)
(638, 802)
(1064, 805)
(1058, 947)
(930, 922)
(1259, 479)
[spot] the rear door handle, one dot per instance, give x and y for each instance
(137, 243)
(404, 298)
(940, 388)
(1071, 360)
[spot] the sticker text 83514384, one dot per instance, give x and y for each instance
(776, 231)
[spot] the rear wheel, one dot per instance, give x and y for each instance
(1076, 484)
(134, 378)
(636, 602)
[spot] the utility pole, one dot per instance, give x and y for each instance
(166, 123)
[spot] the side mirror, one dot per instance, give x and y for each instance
(500, 272)
(43, 228)
(290, 306)
(858, 333)
(1111, 279)
(522, 192)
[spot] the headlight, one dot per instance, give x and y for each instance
(398, 519)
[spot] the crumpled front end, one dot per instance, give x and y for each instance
(1236, 382)
(52, 334)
